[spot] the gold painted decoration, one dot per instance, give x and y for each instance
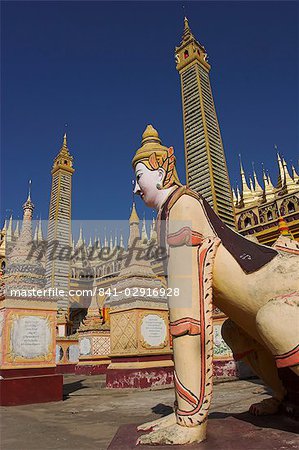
(168, 165)
(153, 161)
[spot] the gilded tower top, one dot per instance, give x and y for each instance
(64, 159)
(187, 31)
(190, 50)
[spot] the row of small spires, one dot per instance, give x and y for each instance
(254, 192)
(12, 234)
(113, 243)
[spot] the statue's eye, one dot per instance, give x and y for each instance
(138, 176)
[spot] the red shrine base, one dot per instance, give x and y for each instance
(229, 433)
(66, 368)
(154, 377)
(27, 386)
(144, 378)
(96, 369)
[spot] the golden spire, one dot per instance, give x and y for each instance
(295, 175)
(269, 188)
(134, 216)
(64, 141)
(247, 195)
(288, 178)
(187, 34)
(290, 183)
(257, 187)
(134, 227)
(245, 188)
(64, 149)
(234, 196)
(269, 181)
(281, 176)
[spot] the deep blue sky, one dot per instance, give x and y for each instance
(107, 69)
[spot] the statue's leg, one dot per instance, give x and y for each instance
(261, 361)
(278, 325)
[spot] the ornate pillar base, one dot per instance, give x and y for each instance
(141, 356)
(94, 345)
(27, 360)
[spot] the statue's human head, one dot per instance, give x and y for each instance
(154, 167)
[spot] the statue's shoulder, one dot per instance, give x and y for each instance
(184, 202)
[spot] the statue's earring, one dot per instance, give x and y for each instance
(159, 186)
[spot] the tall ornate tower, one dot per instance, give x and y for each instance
(59, 227)
(206, 170)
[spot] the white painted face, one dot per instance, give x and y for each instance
(146, 184)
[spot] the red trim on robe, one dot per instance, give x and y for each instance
(184, 393)
(185, 236)
(185, 326)
(288, 359)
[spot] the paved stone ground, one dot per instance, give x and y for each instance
(90, 415)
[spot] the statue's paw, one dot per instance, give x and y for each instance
(158, 423)
(265, 407)
(174, 434)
